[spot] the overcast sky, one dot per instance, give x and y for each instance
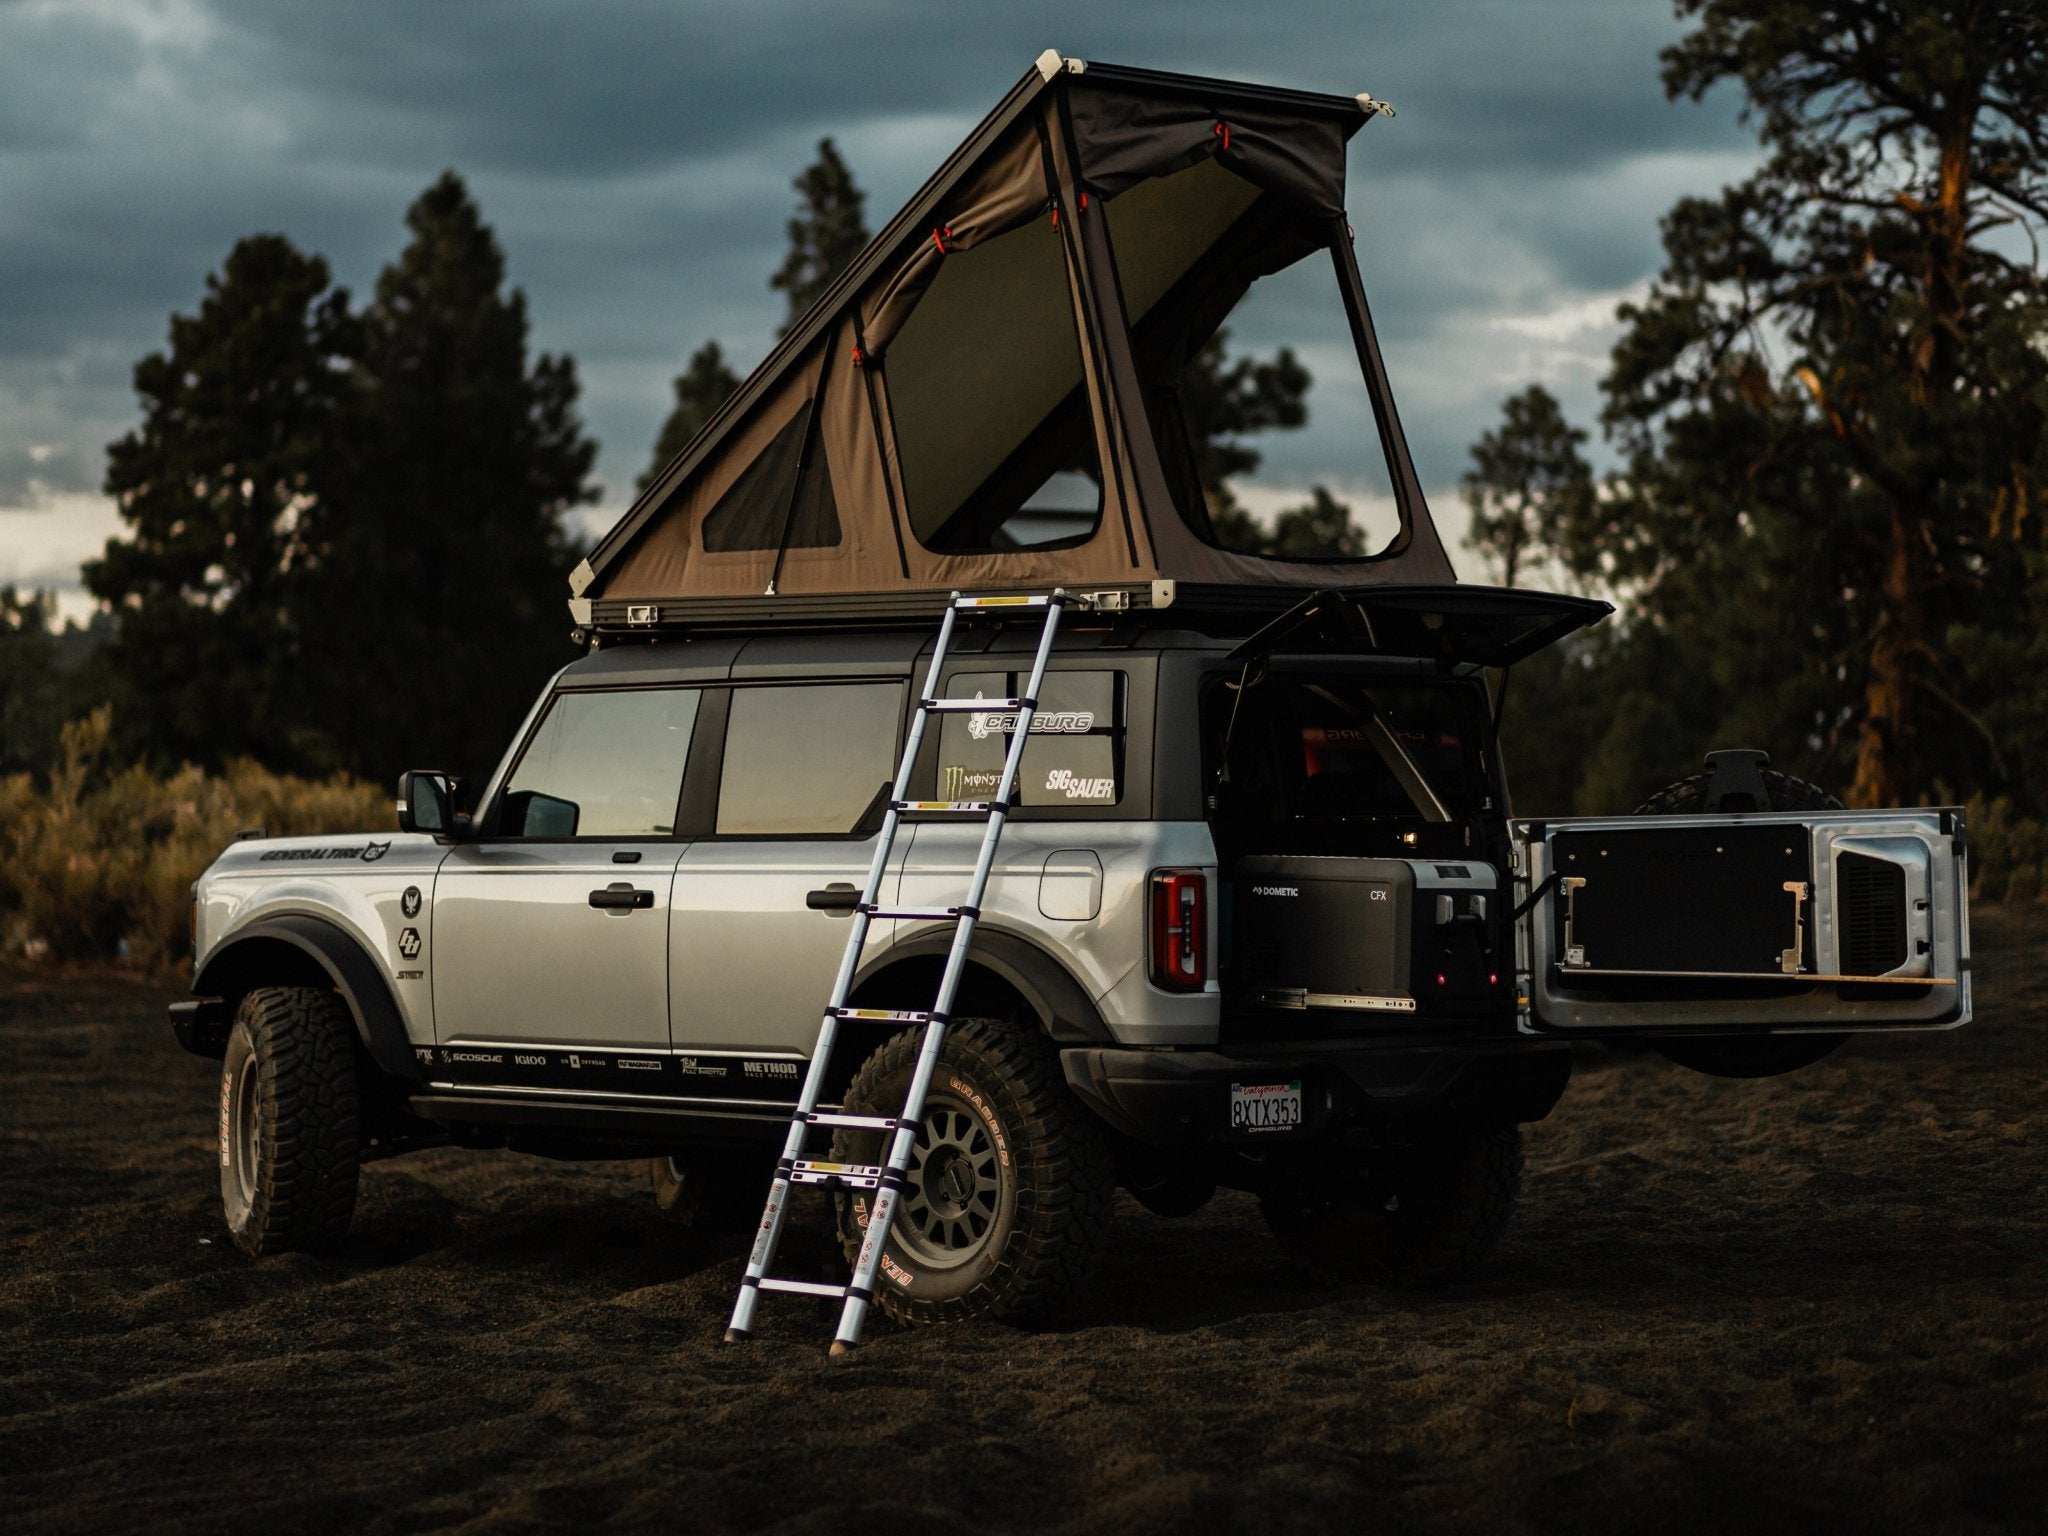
(635, 158)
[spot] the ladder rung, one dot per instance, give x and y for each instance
(923, 914)
(1001, 602)
(959, 807)
(801, 1287)
(857, 1122)
(883, 1015)
(975, 706)
(853, 1175)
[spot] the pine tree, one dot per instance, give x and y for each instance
(224, 489)
(825, 235)
(441, 608)
(1530, 489)
(1832, 401)
(700, 390)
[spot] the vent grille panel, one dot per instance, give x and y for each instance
(1870, 898)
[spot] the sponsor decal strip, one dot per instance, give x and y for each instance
(739, 1078)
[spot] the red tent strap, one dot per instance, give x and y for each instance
(1224, 129)
(858, 358)
(940, 236)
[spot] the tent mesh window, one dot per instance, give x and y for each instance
(1204, 260)
(758, 506)
(986, 395)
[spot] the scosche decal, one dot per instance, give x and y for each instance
(409, 903)
(1064, 781)
(409, 943)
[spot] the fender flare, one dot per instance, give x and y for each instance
(1064, 1009)
(349, 969)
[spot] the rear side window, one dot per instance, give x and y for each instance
(603, 765)
(1075, 756)
(807, 760)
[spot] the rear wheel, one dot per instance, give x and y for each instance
(290, 1122)
(1010, 1184)
(1417, 1215)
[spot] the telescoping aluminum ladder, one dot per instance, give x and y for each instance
(887, 1179)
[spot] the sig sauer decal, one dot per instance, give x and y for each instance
(1064, 781)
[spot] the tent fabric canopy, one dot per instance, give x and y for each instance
(972, 406)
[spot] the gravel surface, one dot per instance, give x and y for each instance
(1815, 1303)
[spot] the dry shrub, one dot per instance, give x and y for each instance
(100, 863)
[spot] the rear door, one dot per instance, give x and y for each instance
(764, 900)
(1828, 921)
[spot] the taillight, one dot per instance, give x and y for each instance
(1180, 929)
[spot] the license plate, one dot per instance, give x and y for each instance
(1265, 1106)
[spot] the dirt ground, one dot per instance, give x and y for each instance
(1817, 1303)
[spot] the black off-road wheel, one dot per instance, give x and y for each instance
(1419, 1215)
(290, 1122)
(1010, 1187)
(1763, 1055)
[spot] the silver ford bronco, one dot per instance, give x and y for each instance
(1259, 920)
(1260, 917)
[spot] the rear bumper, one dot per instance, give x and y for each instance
(1182, 1098)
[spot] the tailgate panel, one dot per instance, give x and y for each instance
(1732, 923)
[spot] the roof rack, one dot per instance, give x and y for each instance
(1491, 626)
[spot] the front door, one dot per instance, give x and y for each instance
(549, 938)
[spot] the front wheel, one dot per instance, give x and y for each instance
(1418, 1215)
(290, 1122)
(1010, 1184)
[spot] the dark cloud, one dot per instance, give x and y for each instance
(635, 158)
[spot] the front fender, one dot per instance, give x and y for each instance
(246, 960)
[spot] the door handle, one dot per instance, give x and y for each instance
(621, 897)
(836, 897)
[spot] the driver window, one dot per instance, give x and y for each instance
(603, 765)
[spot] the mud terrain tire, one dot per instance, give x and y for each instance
(1418, 1216)
(1010, 1189)
(290, 1122)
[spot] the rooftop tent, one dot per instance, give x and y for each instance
(988, 399)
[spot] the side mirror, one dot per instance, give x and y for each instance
(426, 803)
